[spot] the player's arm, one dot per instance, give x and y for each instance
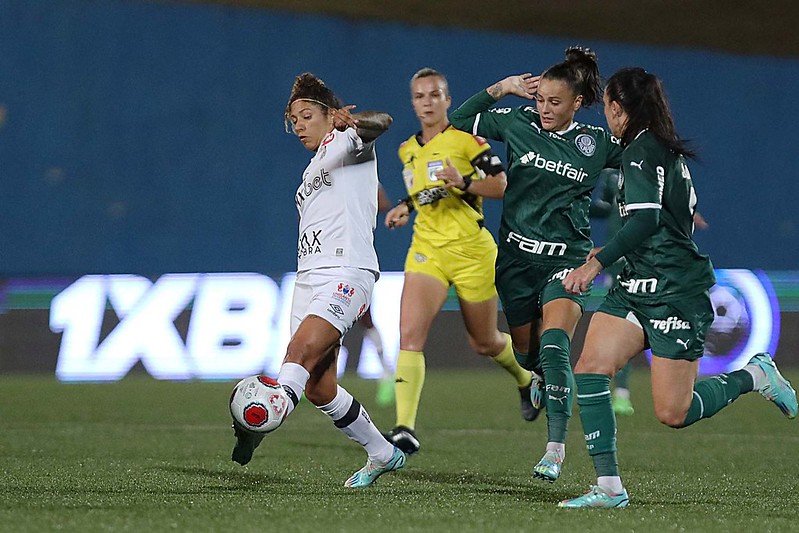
(602, 201)
(369, 125)
(643, 193)
(488, 178)
(476, 116)
(383, 201)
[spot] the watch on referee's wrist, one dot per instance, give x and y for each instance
(408, 201)
(467, 181)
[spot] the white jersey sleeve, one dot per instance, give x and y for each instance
(337, 203)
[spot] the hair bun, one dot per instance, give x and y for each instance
(578, 54)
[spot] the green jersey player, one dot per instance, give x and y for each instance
(554, 163)
(660, 299)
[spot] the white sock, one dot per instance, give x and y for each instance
(350, 417)
(620, 392)
(558, 447)
(611, 484)
(293, 377)
(758, 376)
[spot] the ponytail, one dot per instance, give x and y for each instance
(581, 72)
(643, 98)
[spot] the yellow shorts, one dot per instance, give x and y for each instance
(466, 264)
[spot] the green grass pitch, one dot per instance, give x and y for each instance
(144, 455)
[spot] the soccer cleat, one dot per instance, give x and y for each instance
(385, 392)
(369, 473)
(622, 406)
(529, 410)
(403, 438)
(777, 389)
(597, 498)
(537, 391)
(548, 468)
(246, 442)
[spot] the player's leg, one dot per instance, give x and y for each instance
(423, 295)
(677, 333)
(610, 343)
(385, 388)
(520, 304)
(351, 418)
(622, 404)
(480, 319)
(559, 319)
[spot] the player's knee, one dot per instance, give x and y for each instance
(303, 352)
(670, 415)
(487, 347)
(411, 339)
(590, 363)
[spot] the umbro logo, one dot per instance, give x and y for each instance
(400, 380)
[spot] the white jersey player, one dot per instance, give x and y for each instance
(336, 266)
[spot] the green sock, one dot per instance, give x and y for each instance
(622, 378)
(559, 380)
(528, 361)
(713, 394)
(599, 422)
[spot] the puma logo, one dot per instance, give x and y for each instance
(639, 164)
(684, 343)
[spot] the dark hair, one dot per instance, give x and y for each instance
(309, 87)
(427, 72)
(581, 72)
(642, 97)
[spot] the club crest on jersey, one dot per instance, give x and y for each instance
(586, 144)
(328, 138)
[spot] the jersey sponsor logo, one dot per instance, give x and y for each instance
(328, 138)
(432, 168)
(661, 172)
(561, 274)
(586, 144)
(309, 244)
(309, 187)
(634, 286)
(336, 310)
(670, 324)
(558, 167)
(420, 258)
(590, 437)
(500, 110)
(431, 196)
(534, 246)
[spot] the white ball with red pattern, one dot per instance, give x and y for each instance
(259, 404)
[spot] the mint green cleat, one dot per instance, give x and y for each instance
(369, 473)
(548, 468)
(385, 392)
(597, 498)
(777, 388)
(622, 406)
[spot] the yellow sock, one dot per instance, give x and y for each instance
(409, 379)
(507, 360)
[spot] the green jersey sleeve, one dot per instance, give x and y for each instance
(476, 116)
(643, 180)
(614, 151)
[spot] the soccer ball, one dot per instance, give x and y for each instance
(259, 403)
(730, 326)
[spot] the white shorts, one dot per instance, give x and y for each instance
(339, 295)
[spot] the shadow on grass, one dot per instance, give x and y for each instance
(487, 485)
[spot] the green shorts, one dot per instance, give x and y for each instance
(674, 330)
(524, 288)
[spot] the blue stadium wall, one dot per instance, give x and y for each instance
(148, 138)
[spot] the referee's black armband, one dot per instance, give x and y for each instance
(408, 201)
(488, 163)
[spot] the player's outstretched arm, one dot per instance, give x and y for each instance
(523, 85)
(369, 124)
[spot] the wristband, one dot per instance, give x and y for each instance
(467, 181)
(408, 201)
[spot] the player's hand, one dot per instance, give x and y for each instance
(397, 216)
(343, 119)
(450, 176)
(523, 85)
(579, 279)
(700, 222)
(593, 252)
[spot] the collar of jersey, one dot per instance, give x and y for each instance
(419, 135)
